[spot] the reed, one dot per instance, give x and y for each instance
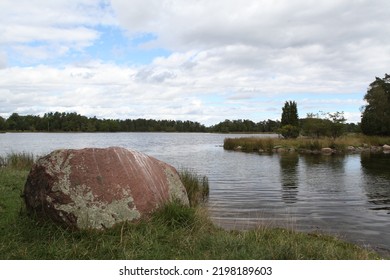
(197, 187)
(341, 144)
(374, 140)
(20, 160)
(250, 144)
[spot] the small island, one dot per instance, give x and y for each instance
(347, 144)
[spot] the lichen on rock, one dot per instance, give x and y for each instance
(98, 188)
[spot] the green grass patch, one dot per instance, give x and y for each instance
(197, 187)
(173, 232)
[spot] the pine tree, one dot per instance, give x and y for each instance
(290, 114)
(290, 121)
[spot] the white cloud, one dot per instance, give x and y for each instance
(111, 91)
(3, 59)
(37, 30)
(330, 39)
(94, 87)
(229, 59)
(280, 23)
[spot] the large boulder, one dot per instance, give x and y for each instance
(98, 188)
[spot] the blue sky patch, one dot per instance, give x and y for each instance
(114, 46)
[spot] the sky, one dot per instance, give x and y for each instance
(197, 60)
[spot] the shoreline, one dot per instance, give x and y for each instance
(168, 132)
(323, 151)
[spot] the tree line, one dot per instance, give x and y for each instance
(73, 122)
(232, 126)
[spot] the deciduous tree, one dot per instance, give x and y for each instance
(376, 114)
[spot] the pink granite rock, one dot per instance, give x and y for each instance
(98, 188)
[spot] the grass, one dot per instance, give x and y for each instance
(17, 160)
(197, 187)
(173, 232)
(341, 144)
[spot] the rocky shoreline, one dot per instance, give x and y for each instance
(325, 151)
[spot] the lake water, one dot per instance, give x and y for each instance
(348, 196)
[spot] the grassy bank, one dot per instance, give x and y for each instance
(17, 160)
(348, 143)
(197, 187)
(174, 232)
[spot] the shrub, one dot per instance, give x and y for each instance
(289, 131)
(229, 144)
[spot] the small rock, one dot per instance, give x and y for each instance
(386, 147)
(351, 149)
(375, 149)
(327, 150)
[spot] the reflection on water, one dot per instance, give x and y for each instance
(348, 196)
(344, 195)
(289, 176)
(377, 177)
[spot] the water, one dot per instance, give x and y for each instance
(347, 196)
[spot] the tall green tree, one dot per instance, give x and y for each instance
(2, 124)
(315, 126)
(376, 114)
(337, 124)
(290, 121)
(15, 122)
(331, 124)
